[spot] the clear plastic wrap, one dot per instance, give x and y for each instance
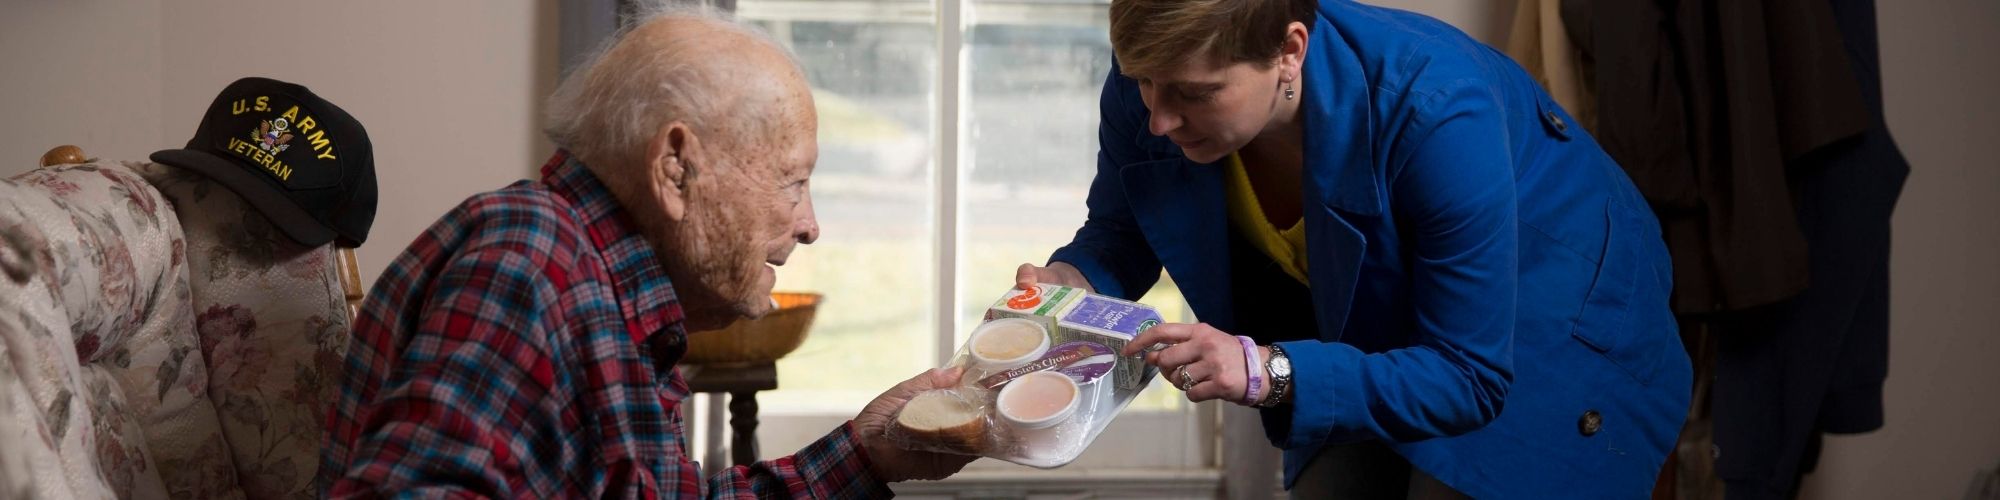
(1043, 378)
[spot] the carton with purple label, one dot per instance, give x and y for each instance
(1112, 322)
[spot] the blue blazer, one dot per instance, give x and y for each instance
(1489, 288)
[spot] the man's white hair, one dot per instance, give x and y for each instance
(609, 109)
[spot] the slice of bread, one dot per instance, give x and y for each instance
(946, 420)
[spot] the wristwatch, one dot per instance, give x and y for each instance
(1280, 369)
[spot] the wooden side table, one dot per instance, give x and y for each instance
(741, 382)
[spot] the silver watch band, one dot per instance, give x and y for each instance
(1281, 387)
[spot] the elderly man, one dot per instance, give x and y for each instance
(524, 346)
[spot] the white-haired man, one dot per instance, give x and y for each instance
(524, 345)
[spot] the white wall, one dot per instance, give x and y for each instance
(1941, 85)
(79, 72)
(450, 91)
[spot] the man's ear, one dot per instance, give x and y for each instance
(670, 159)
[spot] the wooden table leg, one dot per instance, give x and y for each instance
(741, 383)
(743, 427)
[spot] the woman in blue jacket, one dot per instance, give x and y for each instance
(1444, 286)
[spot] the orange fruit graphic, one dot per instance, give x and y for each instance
(1028, 298)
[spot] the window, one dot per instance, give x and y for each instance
(949, 154)
(873, 68)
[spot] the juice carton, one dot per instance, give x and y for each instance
(1041, 304)
(1112, 322)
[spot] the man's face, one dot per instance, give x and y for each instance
(749, 205)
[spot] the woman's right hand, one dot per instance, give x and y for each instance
(1060, 273)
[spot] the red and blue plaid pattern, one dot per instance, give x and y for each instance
(524, 347)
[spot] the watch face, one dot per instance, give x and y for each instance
(1281, 367)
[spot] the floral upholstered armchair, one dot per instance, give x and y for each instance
(159, 338)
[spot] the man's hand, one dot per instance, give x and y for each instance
(1060, 273)
(892, 463)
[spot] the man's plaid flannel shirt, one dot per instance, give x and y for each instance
(524, 347)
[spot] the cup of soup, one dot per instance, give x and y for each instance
(1007, 343)
(1039, 400)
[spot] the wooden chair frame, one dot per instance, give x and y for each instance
(344, 262)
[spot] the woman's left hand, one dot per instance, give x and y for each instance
(1211, 361)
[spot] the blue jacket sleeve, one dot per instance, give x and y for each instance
(1451, 185)
(1109, 249)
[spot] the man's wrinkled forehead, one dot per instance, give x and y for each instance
(776, 115)
(775, 92)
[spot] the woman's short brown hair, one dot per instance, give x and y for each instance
(1150, 36)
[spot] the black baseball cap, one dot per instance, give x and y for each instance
(303, 162)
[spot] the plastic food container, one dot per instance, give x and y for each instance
(1044, 377)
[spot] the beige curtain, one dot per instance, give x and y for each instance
(1541, 44)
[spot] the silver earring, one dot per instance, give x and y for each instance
(1290, 92)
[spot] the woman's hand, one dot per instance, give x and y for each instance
(1060, 273)
(1203, 361)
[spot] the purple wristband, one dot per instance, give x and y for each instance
(1251, 366)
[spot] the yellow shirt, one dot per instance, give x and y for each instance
(1286, 247)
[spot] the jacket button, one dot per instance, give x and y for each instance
(1556, 121)
(1590, 423)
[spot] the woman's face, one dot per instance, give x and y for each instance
(1212, 110)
